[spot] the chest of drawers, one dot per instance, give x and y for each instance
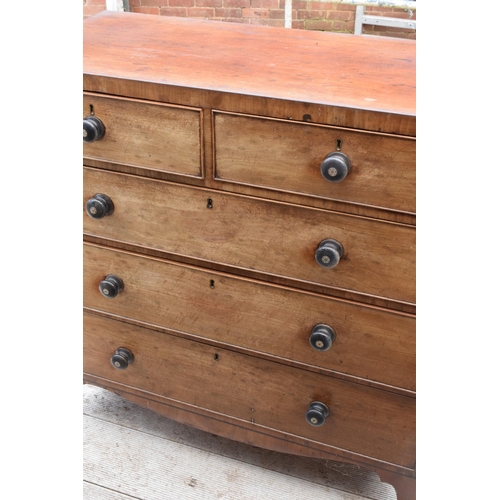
(249, 233)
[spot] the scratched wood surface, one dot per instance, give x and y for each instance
(275, 322)
(261, 235)
(174, 50)
(131, 452)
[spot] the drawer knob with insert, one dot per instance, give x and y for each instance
(122, 358)
(335, 167)
(93, 129)
(111, 286)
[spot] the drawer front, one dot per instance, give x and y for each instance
(144, 134)
(287, 157)
(367, 342)
(364, 420)
(270, 237)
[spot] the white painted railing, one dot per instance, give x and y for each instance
(361, 18)
(121, 5)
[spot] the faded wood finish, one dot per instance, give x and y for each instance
(267, 320)
(363, 420)
(214, 137)
(294, 66)
(269, 237)
(152, 135)
(355, 297)
(287, 156)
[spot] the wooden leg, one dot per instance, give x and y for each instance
(405, 486)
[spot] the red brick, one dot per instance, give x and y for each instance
(208, 3)
(340, 6)
(349, 26)
(264, 4)
(320, 6)
(236, 3)
(146, 10)
(230, 13)
(95, 2)
(311, 14)
(266, 22)
(200, 12)
(340, 16)
(240, 20)
(255, 13)
(277, 14)
(174, 11)
(298, 25)
(319, 25)
(340, 26)
(134, 3)
(299, 5)
(181, 3)
(154, 3)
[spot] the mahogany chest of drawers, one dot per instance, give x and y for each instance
(249, 233)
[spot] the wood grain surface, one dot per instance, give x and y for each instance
(363, 420)
(365, 74)
(286, 156)
(243, 232)
(370, 343)
(151, 135)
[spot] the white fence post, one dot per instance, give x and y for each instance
(114, 5)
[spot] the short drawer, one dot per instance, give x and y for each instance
(281, 322)
(146, 134)
(378, 258)
(270, 395)
(287, 156)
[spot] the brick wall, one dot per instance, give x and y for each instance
(306, 14)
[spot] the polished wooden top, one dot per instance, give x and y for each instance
(359, 72)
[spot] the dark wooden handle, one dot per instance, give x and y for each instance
(93, 129)
(122, 358)
(111, 286)
(322, 337)
(335, 167)
(99, 206)
(317, 413)
(329, 253)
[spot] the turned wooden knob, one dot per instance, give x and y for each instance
(111, 286)
(122, 358)
(317, 413)
(322, 337)
(93, 129)
(99, 206)
(329, 253)
(335, 167)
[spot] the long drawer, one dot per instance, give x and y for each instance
(287, 156)
(249, 233)
(366, 342)
(146, 134)
(361, 419)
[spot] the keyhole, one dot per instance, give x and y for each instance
(212, 284)
(91, 110)
(339, 144)
(210, 203)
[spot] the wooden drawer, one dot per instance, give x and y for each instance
(271, 320)
(286, 156)
(270, 395)
(265, 236)
(146, 134)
